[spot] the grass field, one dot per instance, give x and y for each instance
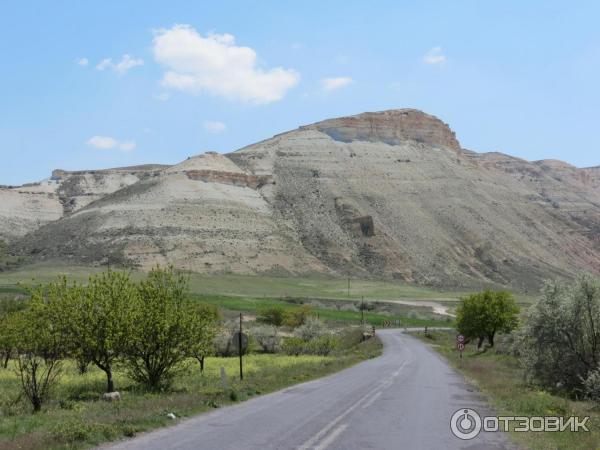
(76, 418)
(500, 378)
(330, 312)
(252, 286)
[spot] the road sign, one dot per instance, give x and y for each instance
(460, 339)
(460, 346)
(387, 324)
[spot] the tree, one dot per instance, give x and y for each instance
(484, 314)
(8, 308)
(41, 342)
(204, 329)
(560, 340)
(267, 337)
(274, 315)
(298, 316)
(100, 320)
(164, 329)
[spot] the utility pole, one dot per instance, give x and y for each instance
(240, 349)
(348, 287)
(362, 310)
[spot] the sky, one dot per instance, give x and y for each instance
(87, 85)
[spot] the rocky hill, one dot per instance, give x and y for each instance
(388, 195)
(25, 208)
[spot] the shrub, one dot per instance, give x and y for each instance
(311, 329)
(323, 345)
(591, 385)
(482, 315)
(560, 342)
(274, 315)
(298, 316)
(293, 346)
(267, 337)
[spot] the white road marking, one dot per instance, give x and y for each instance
(317, 437)
(332, 437)
(372, 400)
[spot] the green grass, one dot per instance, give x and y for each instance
(329, 313)
(252, 286)
(76, 418)
(500, 378)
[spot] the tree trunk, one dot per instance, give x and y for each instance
(491, 339)
(37, 404)
(201, 361)
(6, 359)
(480, 342)
(110, 385)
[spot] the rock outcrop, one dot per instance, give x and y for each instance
(391, 127)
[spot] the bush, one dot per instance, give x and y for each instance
(293, 346)
(560, 342)
(311, 329)
(267, 337)
(591, 385)
(298, 316)
(274, 315)
(322, 345)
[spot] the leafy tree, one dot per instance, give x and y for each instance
(298, 316)
(8, 334)
(41, 342)
(100, 321)
(274, 315)
(205, 329)
(8, 308)
(560, 340)
(482, 315)
(163, 330)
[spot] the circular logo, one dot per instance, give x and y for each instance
(465, 424)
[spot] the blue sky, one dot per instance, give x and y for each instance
(112, 83)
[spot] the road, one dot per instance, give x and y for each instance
(401, 400)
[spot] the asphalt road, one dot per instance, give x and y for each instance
(401, 400)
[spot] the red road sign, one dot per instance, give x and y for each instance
(460, 339)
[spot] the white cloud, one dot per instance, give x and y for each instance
(82, 61)
(434, 56)
(213, 126)
(109, 143)
(122, 67)
(331, 84)
(214, 64)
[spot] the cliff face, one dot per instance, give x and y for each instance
(387, 195)
(390, 127)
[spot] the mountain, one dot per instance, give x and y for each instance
(25, 208)
(387, 195)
